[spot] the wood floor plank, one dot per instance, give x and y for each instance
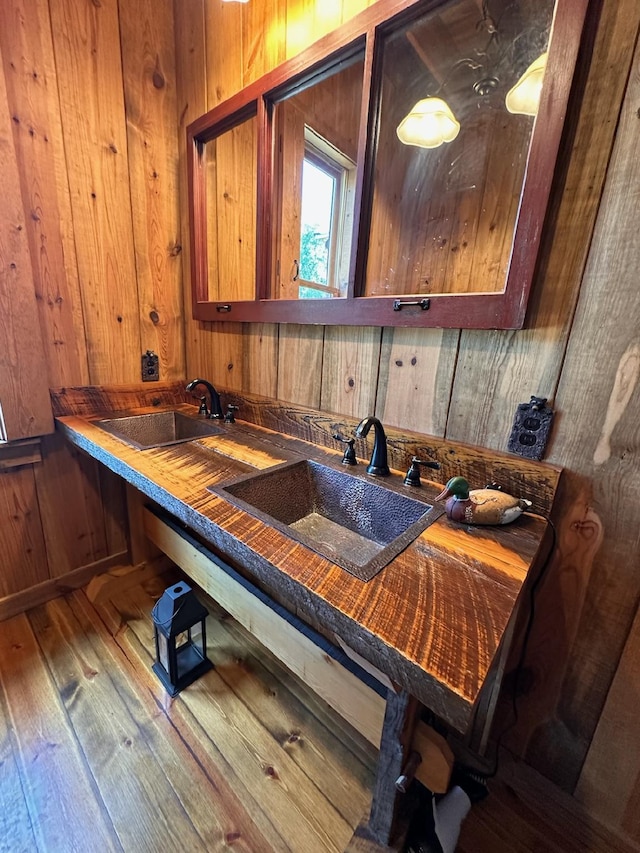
(274, 675)
(289, 724)
(204, 802)
(116, 747)
(267, 770)
(53, 768)
(76, 683)
(225, 789)
(352, 741)
(296, 717)
(16, 831)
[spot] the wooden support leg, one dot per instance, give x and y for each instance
(141, 549)
(146, 560)
(397, 735)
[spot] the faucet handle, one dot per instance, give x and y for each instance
(203, 407)
(349, 457)
(229, 417)
(412, 477)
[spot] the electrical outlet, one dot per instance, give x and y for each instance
(531, 427)
(150, 367)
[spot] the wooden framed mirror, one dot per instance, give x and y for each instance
(322, 173)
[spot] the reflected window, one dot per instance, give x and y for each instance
(328, 183)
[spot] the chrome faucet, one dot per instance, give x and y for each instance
(378, 464)
(215, 407)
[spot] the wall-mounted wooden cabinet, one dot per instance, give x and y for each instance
(320, 194)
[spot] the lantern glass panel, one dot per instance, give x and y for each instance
(197, 638)
(189, 656)
(163, 651)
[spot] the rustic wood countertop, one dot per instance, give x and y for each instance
(433, 620)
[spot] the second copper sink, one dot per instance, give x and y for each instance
(158, 429)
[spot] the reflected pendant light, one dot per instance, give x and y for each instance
(429, 124)
(524, 97)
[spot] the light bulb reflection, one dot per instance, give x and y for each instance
(429, 124)
(524, 97)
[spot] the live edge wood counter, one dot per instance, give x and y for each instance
(436, 620)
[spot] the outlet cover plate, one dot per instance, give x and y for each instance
(531, 427)
(150, 367)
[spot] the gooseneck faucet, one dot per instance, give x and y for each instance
(378, 464)
(215, 407)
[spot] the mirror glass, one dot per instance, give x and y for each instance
(231, 190)
(315, 163)
(459, 93)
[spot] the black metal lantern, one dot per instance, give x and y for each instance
(181, 640)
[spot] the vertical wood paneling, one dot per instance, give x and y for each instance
(87, 52)
(349, 370)
(224, 56)
(74, 181)
(542, 732)
(416, 372)
(148, 51)
(74, 528)
(609, 783)
(260, 358)
(300, 364)
(232, 183)
(24, 400)
(591, 592)
(191, 93)
(307, 21)
(263, 38)
(23, 558)
(299, 32)
(598, 434)
(353, 7)
(29, 68)
(221, 355)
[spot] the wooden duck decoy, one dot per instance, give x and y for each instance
(480, 506)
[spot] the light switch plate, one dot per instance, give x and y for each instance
(531, 427)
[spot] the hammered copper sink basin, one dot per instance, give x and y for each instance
(354, 522)
(158, 429)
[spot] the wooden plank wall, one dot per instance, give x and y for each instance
(88, 154)
(580, 349)
(95, 93)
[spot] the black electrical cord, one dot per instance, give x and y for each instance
(523, 650)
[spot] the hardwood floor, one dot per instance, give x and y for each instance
(94, 755)
(97, 757)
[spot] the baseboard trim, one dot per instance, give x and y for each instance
(18, 602)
